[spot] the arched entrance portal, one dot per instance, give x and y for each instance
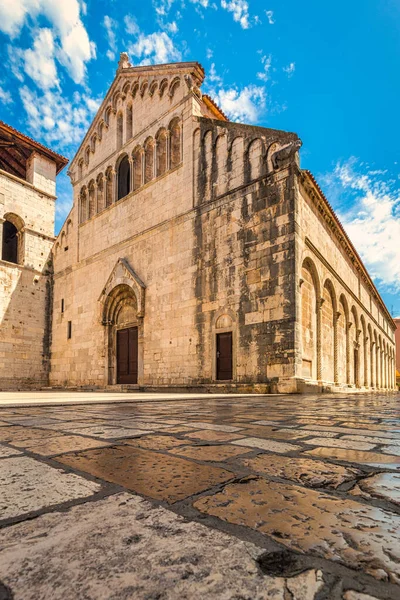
(122, 302)
(122, 325)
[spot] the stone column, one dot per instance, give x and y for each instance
(319, 340)
(335, 348)
(348, 325)
(114, 186)
(131, 166)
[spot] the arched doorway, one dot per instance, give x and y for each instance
(122, 315)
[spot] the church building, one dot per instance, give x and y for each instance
(197, 255)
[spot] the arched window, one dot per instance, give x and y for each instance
(12, 247)
(129, 122)
(124, 178)
(175, 143)
(120, 130)
(161, 151)
(148, 161)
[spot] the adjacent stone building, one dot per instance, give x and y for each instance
(198, 255)
(27, 204)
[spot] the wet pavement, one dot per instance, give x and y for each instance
(283, 497)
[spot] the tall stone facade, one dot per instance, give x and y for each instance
(199, 255)
(27, 207)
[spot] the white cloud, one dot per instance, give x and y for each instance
(110, 26)
(39, 61)
(266, 61)
(155, 48)
(240, 10)
(5, 96)
(130, 25)
(209, 53)
(57, 120)
(74, 49)
(213, 76)
(373, 219)
(270, 16)
(290, 69)
(244, 106)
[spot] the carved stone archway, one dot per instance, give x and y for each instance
(122, 304)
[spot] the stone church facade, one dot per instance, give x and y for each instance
(198, 255)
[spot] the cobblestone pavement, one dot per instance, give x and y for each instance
(252, 497)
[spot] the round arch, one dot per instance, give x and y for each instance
(310, 320)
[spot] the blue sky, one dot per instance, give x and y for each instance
(328, 71)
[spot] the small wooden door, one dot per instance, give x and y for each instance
(224, 356)
(127, 355)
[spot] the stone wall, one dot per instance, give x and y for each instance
(26, 288)
(345, 329)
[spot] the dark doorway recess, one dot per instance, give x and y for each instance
(224, 356)
(127, 355)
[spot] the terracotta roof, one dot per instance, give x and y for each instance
(342, 230)
(23, 145)
(214, 106)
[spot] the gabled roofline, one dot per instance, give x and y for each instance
(139, 70)
(33, 145)
(309, 177)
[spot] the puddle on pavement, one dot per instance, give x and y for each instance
(149, 473)
(359, 536)
(313, 473)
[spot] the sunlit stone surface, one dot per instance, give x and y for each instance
(155, 475)
(309, 521)
(29, 485)
(313, 473)
(214, 463)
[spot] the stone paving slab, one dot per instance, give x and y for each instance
(124, 548)
(313, 473)
(7, 452)
(149, 473)
(28, 485)
(210, 453)
(155, 442)
(186, 451)
(333, 443)
(62, 444)
(105, 432)
(357, 456)
(212, 436)
(270, 445)
(359, 536)
(382, 485)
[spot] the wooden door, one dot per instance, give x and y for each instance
(224, 356)
(127, 355)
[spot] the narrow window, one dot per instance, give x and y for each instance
(129, 121)
(124, 178)
(62, 305)
(69, 330)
